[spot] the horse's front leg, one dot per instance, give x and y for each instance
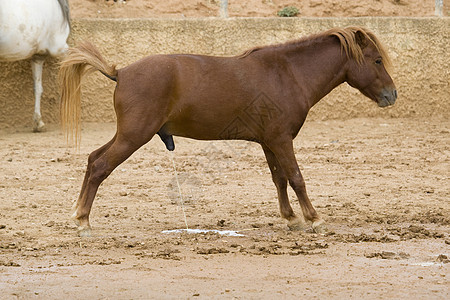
(280, 180)
(37, 63)
(284, 152)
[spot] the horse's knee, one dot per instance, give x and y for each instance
(297, 183)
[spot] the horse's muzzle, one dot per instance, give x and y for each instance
(387, 97)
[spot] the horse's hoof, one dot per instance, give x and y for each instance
(319, 227)
(84, 231)
(39, 127)
(296, 225)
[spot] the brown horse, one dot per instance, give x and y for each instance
(262, 95)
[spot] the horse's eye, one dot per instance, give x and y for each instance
(378, 61)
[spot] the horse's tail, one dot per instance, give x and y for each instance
(78, 62)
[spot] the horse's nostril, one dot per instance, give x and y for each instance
(395, 94)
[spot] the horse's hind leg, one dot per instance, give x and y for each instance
(110, 157)
(280, 179)
(284, 153)
(91, 159)
(37, 63)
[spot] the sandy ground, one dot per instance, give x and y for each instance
(249, 8)
(381, 184)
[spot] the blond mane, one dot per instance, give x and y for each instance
(349, 44)
(348, 39)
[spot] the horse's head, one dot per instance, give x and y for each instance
(367, 66)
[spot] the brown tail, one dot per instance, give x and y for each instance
(78, 62)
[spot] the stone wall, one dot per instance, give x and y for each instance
(418, 48)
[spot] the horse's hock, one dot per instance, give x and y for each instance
(417, 46)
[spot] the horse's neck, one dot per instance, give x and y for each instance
(318, 68)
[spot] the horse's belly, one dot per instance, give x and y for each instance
(232, 128)
(13, 46)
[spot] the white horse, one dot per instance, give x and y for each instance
(34, 29)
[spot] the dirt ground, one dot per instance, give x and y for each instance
(382, 185)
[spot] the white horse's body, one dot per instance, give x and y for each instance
(33, 29)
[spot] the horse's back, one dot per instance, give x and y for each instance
(193, 96)
(188, 76)
(32, 27)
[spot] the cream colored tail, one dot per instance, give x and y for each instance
(78, 62)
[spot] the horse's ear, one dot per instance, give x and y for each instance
(361, 39)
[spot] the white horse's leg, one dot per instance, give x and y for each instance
(37, 63)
